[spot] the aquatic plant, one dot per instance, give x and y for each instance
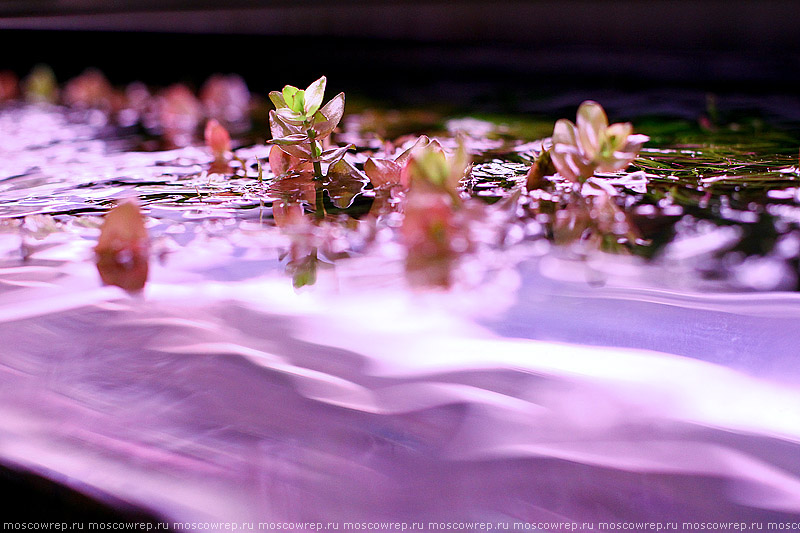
(226, 98)
(90, 89)
(433, 232)
(217, 138)
(590, 145)
(385, 174)
(429, 231)
(541, 167)
(299, 123)
(9, 86)
(593, 222)
(179, 114)
(41, 85)
(219, 141)
(302, 256)
(431, 169)
(122, 248)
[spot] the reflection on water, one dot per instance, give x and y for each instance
(544, 386)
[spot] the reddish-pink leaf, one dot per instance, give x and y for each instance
(122, 248)
(217, 139)
(382, 172)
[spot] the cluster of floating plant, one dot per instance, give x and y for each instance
(173, 114)
(421, 184)
(590, 187)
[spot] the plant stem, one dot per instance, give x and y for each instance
(316, 151)
(317, 165)
(319, 204)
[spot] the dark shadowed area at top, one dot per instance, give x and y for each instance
(500, 55)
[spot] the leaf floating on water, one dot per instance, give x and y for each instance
(345, 182)
(122, 248)
(382, 172)
(299, 186)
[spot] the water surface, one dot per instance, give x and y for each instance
(548, 384)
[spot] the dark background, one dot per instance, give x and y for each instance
(502, 55)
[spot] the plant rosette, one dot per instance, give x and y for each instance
(590, 145)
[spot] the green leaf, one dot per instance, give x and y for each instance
(288, 93)
(304, 271)
(294, 98)
(260, 171)
(458, 166)
(432, 166)
(277, 99)
(313, 97)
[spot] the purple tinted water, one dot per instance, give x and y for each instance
(538, 389)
